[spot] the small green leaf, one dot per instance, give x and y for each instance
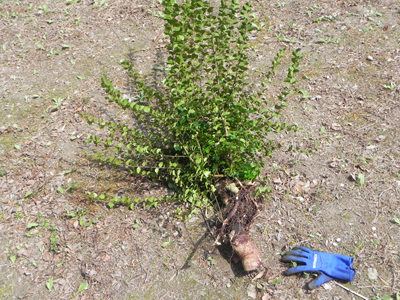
(49, 284)
(361, 179)
(32, 225)
(211, 260)
(83, 286)
(13, 258)
(276, 281)
(40, 46)
(165, 244)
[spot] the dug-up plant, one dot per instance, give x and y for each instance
(204, 124)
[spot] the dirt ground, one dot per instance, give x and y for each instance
(340, 194)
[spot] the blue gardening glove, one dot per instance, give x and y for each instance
(329, 266)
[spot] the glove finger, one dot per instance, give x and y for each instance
(304, 249)
(296, 254)
(321, 279)
(297, 259)
(297, 269)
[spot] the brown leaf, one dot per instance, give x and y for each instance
(47, 256)
(266, 296)
(106, 257)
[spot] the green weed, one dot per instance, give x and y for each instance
(53, 240)
(68, 189)
(57, 103)
(390, 86)
(99, 3)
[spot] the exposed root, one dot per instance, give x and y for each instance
(238, 215)
(247, 252)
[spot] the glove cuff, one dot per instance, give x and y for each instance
(344, 270)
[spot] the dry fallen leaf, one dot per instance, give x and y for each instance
(106, 257)
(47, 256)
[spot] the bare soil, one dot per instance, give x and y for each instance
(340, 194)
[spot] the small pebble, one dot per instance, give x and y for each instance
(251, 291)
(370, 58)
(327, 286)
(380, 138)
(372, 273)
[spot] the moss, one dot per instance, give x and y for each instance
(8, 141)
(6, 292)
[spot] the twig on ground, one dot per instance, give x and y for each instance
(350, 291)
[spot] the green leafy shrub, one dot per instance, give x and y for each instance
(204, 123)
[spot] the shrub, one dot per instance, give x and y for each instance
(204, 123)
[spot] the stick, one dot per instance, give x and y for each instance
(349, 290)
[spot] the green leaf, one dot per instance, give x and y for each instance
(165, 244)
(32, 225)
(83, 286)
(276, 281)
(361, 179)
(49, 284)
